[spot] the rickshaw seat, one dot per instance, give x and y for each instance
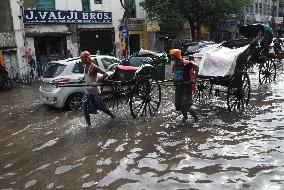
(124, 73)
(126, 68)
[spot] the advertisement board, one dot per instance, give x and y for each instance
(66, 17)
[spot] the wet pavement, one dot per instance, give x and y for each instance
(46, 148)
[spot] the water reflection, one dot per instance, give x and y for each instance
(46, 148)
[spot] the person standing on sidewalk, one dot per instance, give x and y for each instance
(32, 65)
(94, 100)
(183, 75)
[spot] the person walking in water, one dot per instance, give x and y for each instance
(182, 75)
(94, 100)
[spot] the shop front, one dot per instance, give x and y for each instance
(137, 35)
(54, 35)
(96, 40)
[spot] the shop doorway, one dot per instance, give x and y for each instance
(94, 39)
(134, 43)
(50, 48)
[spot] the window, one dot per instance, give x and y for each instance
(251, 9)
(131, 6)
(256, 8)
(47, 5)
(95, 61)
(78, 68)
(98, 1)
(109, 62)
(85, 5)
(54, 70)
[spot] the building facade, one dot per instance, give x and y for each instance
(57, 29)
(8, 46)
(267, 12)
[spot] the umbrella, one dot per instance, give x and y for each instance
(250, 31)
(268, 29)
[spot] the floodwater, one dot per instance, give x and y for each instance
(46, 148)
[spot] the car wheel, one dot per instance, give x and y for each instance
(75, 102)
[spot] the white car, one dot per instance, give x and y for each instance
(70, 70)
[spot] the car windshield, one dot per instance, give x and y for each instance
(138, 61)
(54, 70)
(107, 62)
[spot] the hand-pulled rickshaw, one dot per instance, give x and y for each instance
(136, 86)
(231, 70)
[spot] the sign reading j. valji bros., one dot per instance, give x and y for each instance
(66, 17)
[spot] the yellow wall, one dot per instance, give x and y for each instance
(1, 58)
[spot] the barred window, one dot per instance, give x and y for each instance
(47, 5)
(98, 1)
(85, 5)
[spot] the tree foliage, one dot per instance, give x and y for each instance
(172, 13)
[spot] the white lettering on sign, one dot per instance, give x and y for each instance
(71, 16)
(52, 16)
(60, 16)
(76, 15)
(100, 15)
(106, 17)
(42, 15)
(31, 15)
(92, 16)
(85, 16)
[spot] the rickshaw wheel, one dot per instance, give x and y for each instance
(116, 95)
(238, 94)
(267, 71)
(145, 97)
(203, 90)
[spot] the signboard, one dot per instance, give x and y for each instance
(153, 26)
(66, 17)
(125, 32)
(135, 24)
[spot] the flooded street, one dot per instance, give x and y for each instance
(47, 148)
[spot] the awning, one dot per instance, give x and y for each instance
(36, 34)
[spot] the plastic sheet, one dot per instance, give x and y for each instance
(220, 61)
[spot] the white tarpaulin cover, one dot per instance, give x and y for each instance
(220, 61)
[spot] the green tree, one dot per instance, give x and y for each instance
(172, 13)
